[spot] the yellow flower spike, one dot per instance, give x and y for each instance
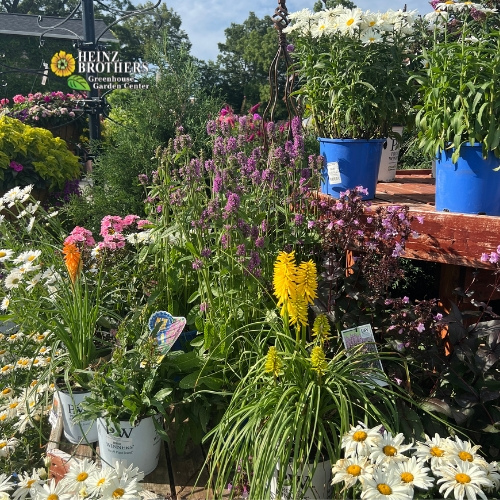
(321, 328)
(318, 360)
(307, 280)
(284, 278)
(297, 311)
(273, 364)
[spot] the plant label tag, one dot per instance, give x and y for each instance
(333, 172)
(362, 338)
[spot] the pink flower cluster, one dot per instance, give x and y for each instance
(493, 257)
(112, 229)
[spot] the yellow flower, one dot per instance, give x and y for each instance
(318, 361)
(285, 273)
(73, 261)
(62, 63)
(273, 364)
(297, 311)
(307, 283)
(321, 328)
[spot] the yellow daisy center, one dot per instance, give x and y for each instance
(3, 351)
(407, 477)
(3, 417)
(354, 470)
(118, 493)
(359, 436)
(31, 258)
(101, 481)
(371, 23)
(322, 27)
(350, 21)
(82, 476)
(2, 254)
(13, 405)
(389, 450)
(30, 483)
(3, 445)
(6, 391)
(465, 456)
(384, 489)
(53, 496)
(436, 452)
(5, 368)
(462, 478)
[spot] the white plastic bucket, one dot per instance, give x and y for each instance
(75, 432)
(320, 487)
(138, 445)
(389, 159)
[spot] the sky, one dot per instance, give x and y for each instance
(205, 20)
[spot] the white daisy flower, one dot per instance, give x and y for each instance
(6, 483)
(25, 193)
(78, 474)
(390, 449)
(126, 471)
(4, 417)
(99, 480)
(414, 473)
(27, 267)
(23, 363)
(27, 257)
(10, 197)
(360, 440)
(52, 491)
(14, 337)
(45, 349)
(7, 446)
(5, 303)
(13, 279)
(350, 470)
(464, 451)
(493, 474)
(350, 20)
(121, 489)
(26, 485)
(6, 392)
(385, 485)
(30, 225)
(11, 408)
(6, 369)
(464, 479)
(369, 36)
(3, 354)
(5, 254)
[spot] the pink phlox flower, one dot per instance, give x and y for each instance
(80, 235)
(129, 219)
(111, 224)
(18, 99)
(142, 222)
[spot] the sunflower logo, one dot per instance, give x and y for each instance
(62, 63)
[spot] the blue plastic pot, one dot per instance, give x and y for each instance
(350, 163)
(470, 186)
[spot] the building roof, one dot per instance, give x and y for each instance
(28, 25)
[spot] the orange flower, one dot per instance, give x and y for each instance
(72, 259)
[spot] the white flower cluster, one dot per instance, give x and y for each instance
(370, 27)
(386, 468)
(83, 480)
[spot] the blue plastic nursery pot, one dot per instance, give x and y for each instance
(470, 186)
(350, 163)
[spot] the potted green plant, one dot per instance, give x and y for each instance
(353, 70)
(286, 415)
(33, 156)
(129, 396)
(457, 114)
(73, 296)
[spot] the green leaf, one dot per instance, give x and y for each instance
(77, 82)
(163, 393)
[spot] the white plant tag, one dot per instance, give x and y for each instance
(52, 418)
(333, 172)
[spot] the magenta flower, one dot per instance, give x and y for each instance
(16, 166)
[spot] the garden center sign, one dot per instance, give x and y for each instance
(104, 70)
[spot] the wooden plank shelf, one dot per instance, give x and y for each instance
(449, 238)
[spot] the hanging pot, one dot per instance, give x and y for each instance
(74, 432)
(471, 185)
(350, 163)
(139, 444)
